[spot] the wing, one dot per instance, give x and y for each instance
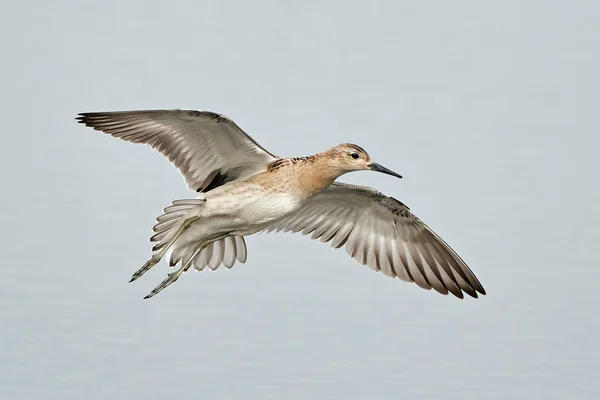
(209, 149)
(382, 233)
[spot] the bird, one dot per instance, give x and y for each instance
(241, 189)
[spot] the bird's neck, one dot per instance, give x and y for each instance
(308, 175)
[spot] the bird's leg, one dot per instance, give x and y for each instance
(158, 256)
(188, 264)
(173, 276)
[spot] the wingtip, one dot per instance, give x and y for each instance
(476, 293)
(80, 118)
(477, 290)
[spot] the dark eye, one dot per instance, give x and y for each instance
(354, 155)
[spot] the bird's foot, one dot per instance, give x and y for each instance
(149, 264)
(172, 277)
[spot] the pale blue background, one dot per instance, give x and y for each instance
(488, 109)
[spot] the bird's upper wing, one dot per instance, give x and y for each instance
(381, 232)
(209, 149)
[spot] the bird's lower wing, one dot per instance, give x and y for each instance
(381, 232)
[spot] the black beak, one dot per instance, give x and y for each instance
(381, 168)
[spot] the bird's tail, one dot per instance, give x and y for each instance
(224, 251)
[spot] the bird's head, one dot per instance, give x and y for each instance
(349, 157)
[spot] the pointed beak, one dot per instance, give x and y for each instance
(381, 168)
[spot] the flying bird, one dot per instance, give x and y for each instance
(243, 189)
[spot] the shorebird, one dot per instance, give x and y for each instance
(243, 189)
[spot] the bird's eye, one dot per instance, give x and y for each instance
(354, 155)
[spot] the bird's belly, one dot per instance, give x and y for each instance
(269, 208)
(248, 205)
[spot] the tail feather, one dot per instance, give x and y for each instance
(225, 251)
(164, 226)
(177, 209)
(242, 251)
(164, 229)
(168, 217)
(230, 253)
(218, 253)
(158, 237)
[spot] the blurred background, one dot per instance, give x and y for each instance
(488, 109)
